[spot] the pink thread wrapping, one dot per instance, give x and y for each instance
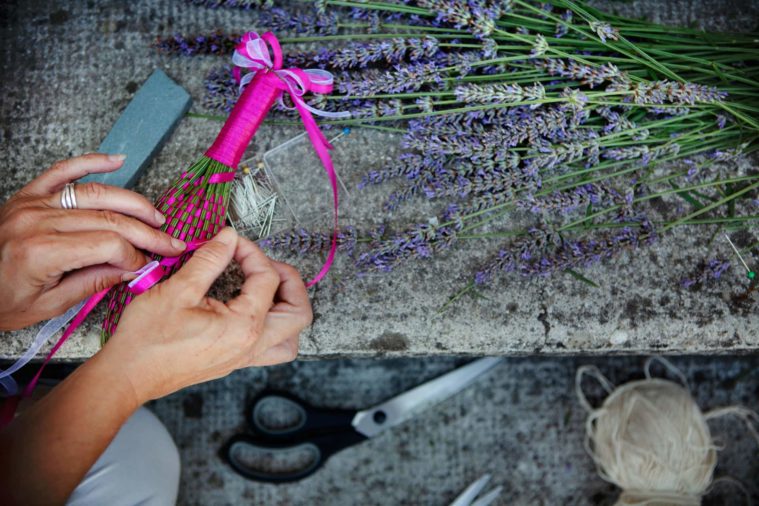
(221, 177)
(244, 120)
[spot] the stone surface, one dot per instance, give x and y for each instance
(522, 423)
(71, 67)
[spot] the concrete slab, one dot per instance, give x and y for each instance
(521, 423)
(71, 67)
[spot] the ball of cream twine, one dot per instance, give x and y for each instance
(651, 439)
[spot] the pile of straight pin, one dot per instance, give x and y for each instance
(254, 203)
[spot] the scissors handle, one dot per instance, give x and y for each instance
(267, 451)
(305, 419)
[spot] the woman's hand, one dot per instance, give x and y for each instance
(173, 336)
(51, 258)
(169, 337)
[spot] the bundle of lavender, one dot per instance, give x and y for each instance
(567, 133)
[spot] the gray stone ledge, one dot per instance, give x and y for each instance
(71, 67)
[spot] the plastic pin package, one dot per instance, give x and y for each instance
(286, 188)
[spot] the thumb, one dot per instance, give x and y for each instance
(194, 279)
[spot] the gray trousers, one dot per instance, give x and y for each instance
(140, 466)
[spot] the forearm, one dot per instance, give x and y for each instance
(47, 450)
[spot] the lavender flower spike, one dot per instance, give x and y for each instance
(662, 92)
(477, 16)
(561, 28)
(536, 92)
(216, 43)
(302, 241)
(592, 76)
(420, 241)
(492, 93)
(221, 90)
(403, 78)
(604, 30)
(540, 46)
(393, 51)
(541, 254)
(279, 20)
(628, 153)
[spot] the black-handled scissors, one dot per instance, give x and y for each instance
(290, 440)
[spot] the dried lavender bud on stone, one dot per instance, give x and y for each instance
(709, 271)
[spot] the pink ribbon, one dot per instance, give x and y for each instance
(152, 272)
(221, 177)
(253, 53)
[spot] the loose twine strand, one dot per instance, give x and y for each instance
(650, 438)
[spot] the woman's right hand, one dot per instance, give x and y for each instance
(173, 335)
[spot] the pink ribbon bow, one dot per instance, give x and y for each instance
(253, 53)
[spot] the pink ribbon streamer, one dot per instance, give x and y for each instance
(253, 53)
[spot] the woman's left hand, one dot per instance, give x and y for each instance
(51, 258)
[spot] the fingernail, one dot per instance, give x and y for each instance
(128, 276)
(227, 236)
(178, 244)
(117, 157)
(161, 219)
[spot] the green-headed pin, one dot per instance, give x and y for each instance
(751, 274)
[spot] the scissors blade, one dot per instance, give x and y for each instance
(467, 496)
(489, 498)
(371, 422)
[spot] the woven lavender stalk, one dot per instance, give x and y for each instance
(196, 204)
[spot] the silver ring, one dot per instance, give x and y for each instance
(68, 197)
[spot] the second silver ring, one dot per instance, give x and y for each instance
(68, 196)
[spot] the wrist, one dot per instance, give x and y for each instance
(110, 363)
